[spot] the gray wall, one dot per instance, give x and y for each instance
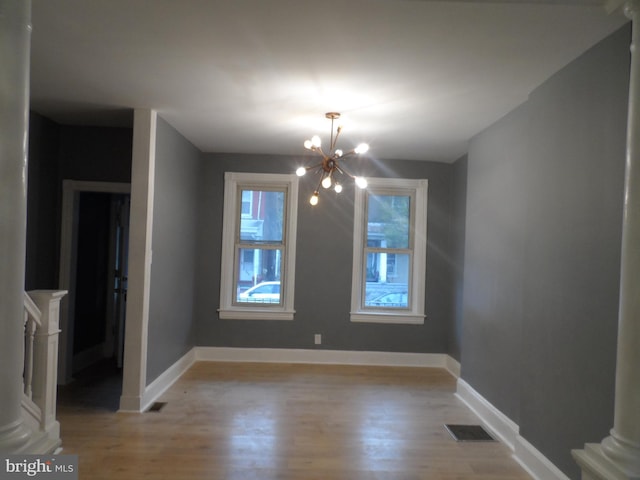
(458, 219)
(42, 200)
(496, 227)
(97, 154)
(324, 260)
(542, 256)
(58, 152)
(174, 237)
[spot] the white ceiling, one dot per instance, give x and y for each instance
(414, 78)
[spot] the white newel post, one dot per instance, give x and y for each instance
(618, 456)
(15, 41)
(45, 359)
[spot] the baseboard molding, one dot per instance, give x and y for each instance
(335, 357)
(167, 378)
(284, 355)
(534, 462)
(159, 385)
(130, 404)
(41, 443)
(501, 425)
(453, 366)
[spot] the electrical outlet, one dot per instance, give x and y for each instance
(317, 339)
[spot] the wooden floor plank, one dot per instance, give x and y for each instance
(288, 421)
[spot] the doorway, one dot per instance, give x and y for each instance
(94, 270)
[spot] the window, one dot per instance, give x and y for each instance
(258, 246)
(389, 252)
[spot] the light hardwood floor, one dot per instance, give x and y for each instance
(250, 421)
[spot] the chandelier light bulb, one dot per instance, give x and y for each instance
(315, 141)
(308, 145)
(362, 148)
(314, 199)
(338, 153)
(301, 171)
(361, 182)
(326, 181)
(338, 188)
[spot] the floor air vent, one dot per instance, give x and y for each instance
(156, 406)
(469, 433)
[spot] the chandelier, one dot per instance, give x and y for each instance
(330, 164)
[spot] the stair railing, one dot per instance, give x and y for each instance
(40, 374)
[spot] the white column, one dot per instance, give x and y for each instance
(618, 456)
(15, 42)
(134, 379)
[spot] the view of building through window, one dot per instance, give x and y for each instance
(259, 249)
(388, 254)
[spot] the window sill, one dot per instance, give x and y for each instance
(255, 314)
(388, 317)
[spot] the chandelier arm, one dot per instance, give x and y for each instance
(312, 167)
(346, 172)
(340, 171)
(317, 190)
(334, 141)
(350, 152)
(320, 152)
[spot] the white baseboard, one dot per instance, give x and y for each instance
(336, 357)
(130, 404)
(284, 355)
(534, 462)
(167, 378)
(453, 366)
(159, 385)
(499, 424)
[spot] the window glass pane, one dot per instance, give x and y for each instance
(262, 216)
(388, 221)
(385, 287)
(258, 279)
(246, 202)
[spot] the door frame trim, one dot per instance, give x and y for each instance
(71, 190)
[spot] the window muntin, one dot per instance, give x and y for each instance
(389, 252)
(258, 253)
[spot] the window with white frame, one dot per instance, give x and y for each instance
(389, 252)
(258, 246)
